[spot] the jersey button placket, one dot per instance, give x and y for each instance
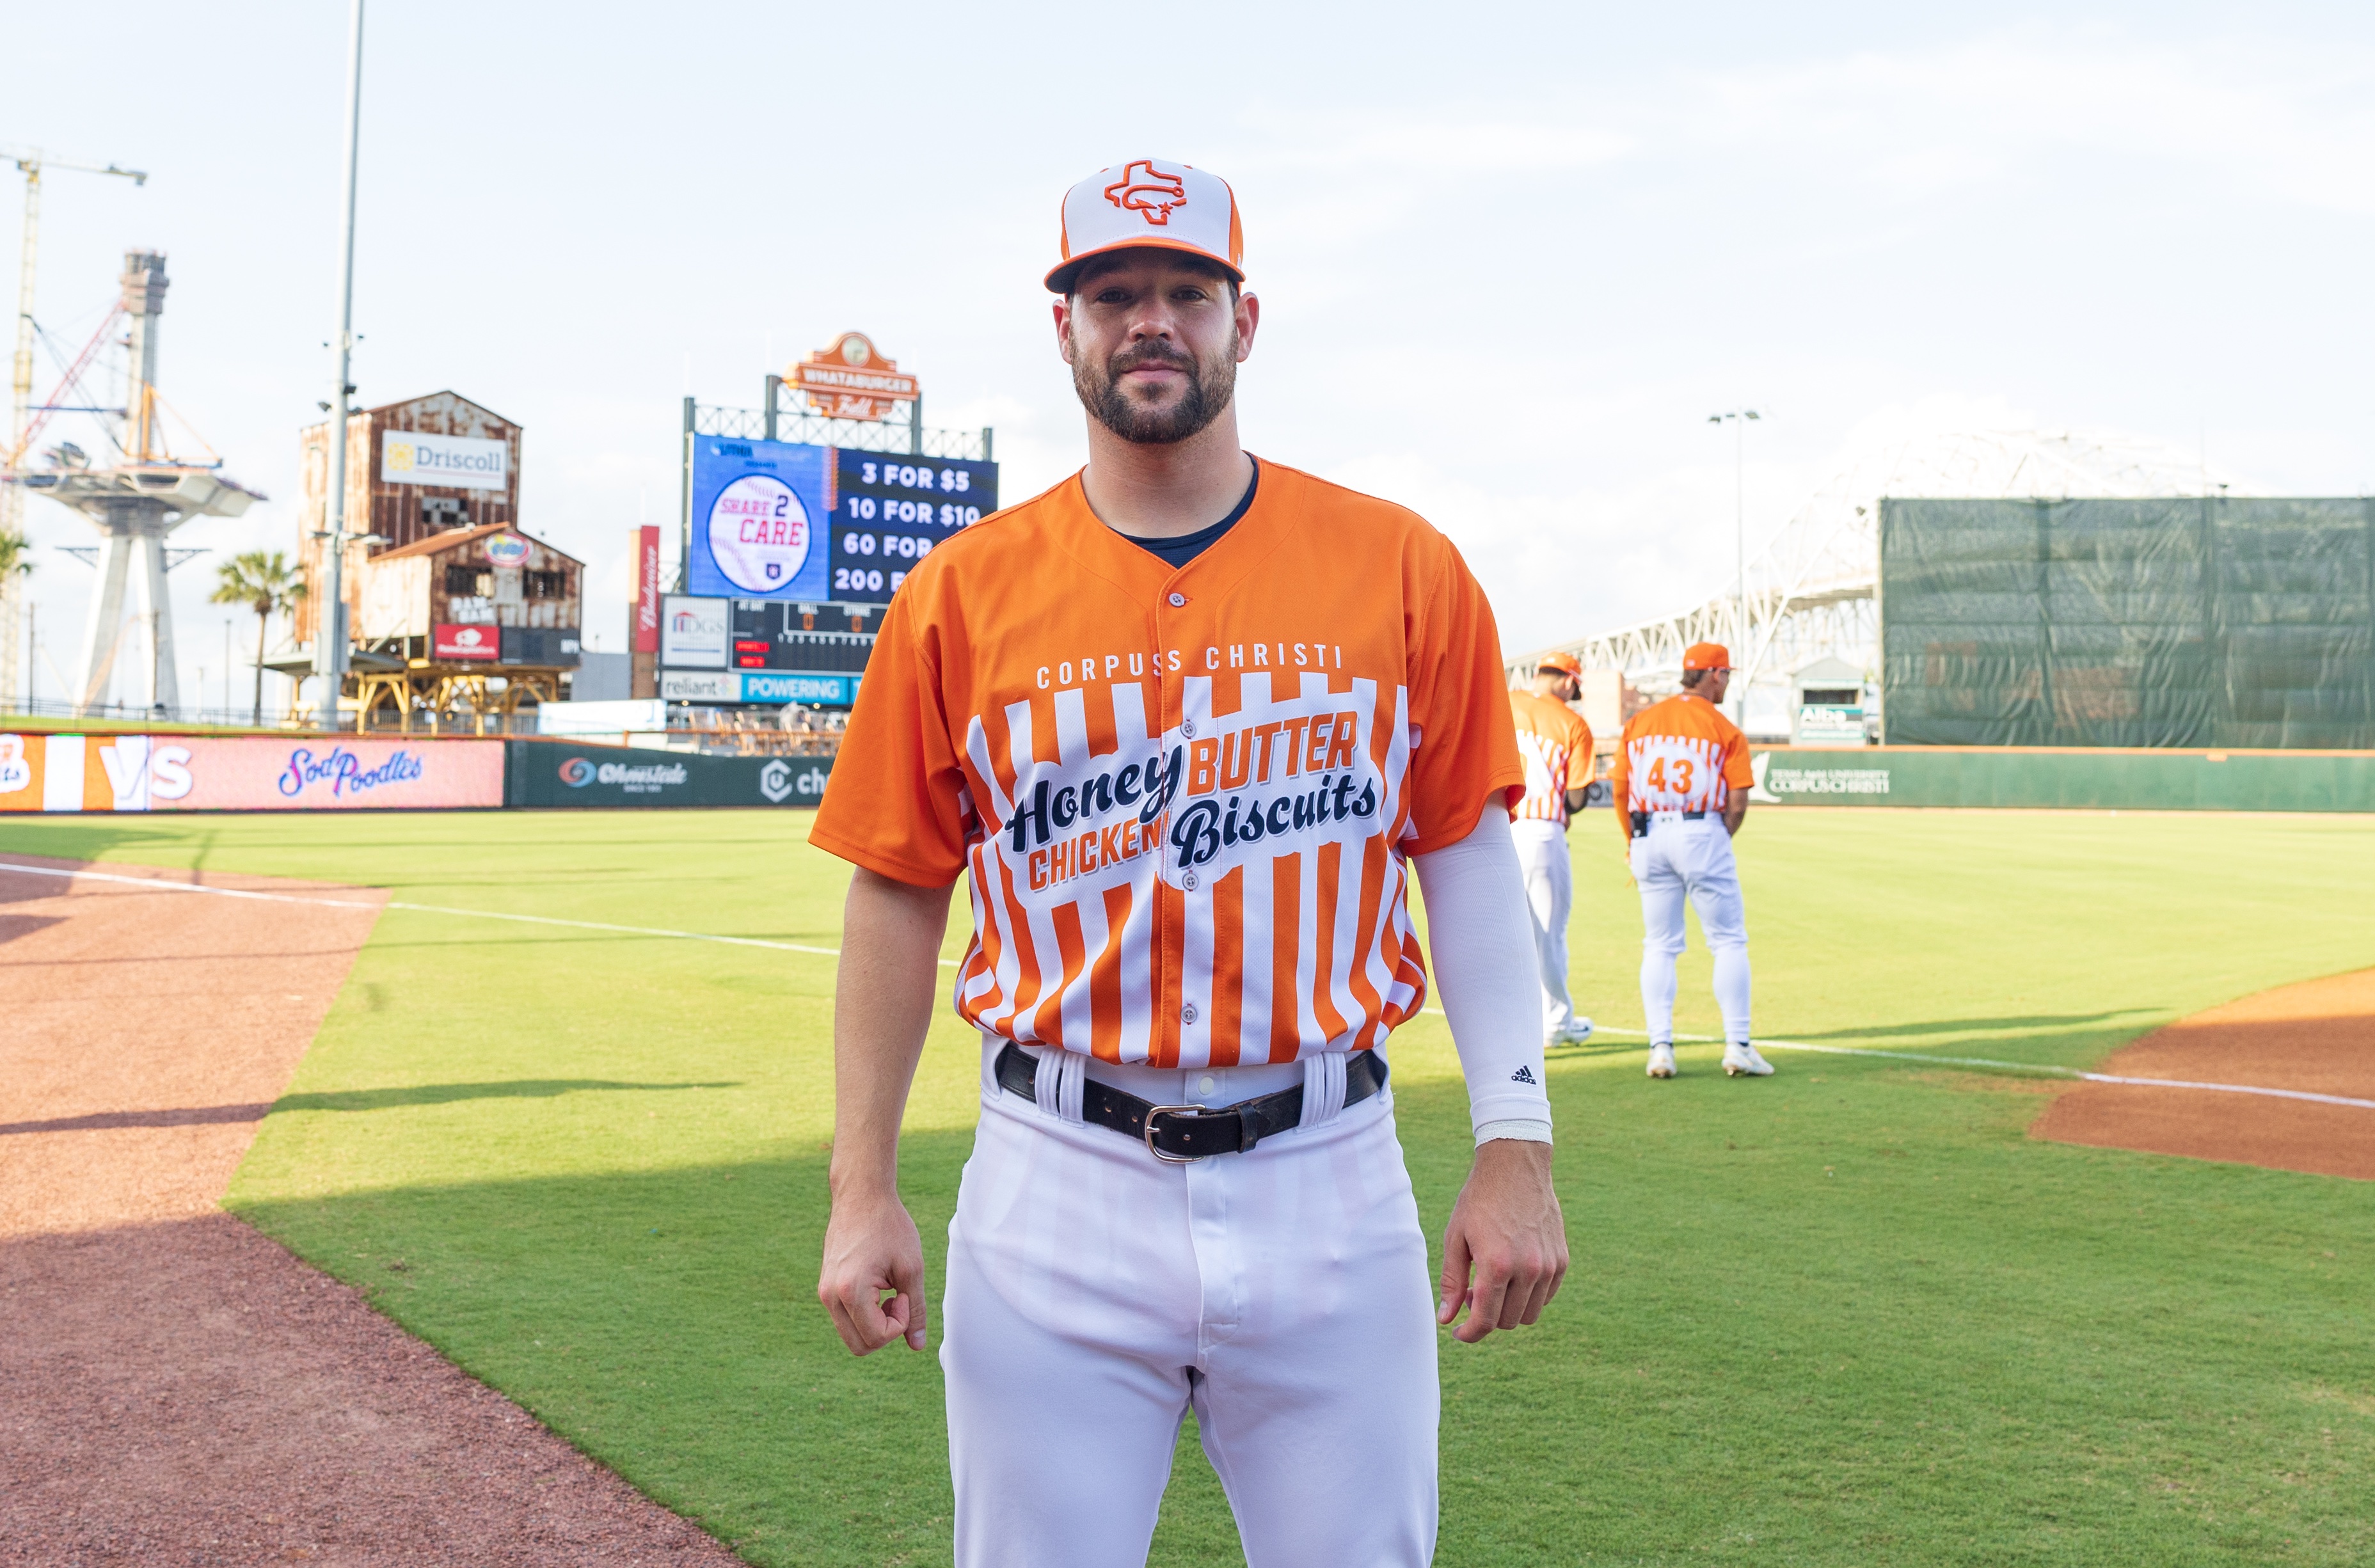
(1170, 702)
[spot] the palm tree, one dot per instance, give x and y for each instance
(265, 585)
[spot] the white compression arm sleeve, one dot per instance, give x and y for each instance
(1481, 940)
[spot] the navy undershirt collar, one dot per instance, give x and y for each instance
(1186, 548)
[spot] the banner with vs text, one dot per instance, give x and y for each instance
(139, 772)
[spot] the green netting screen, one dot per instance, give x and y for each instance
(2210, 622)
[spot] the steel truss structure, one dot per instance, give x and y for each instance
(775, 422)
(1814, 591)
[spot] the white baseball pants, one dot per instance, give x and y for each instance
(1550, 895)
(1095, 1294)
(1683, 859)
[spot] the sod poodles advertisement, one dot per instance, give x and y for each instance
(140, 773)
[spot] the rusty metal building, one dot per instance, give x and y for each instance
(439, 616)
(391, 498)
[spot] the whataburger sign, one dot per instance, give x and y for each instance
(847, 379)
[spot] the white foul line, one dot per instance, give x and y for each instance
(2032, 1068)
(420, 909)
(2035, 1068)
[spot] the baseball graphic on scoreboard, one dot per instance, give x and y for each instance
(759, 532)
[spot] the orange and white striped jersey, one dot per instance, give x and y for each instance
(1680, 755)
(1185, 797)
(1556, 746)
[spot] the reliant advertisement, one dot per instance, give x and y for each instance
(758, 516)
(416, 458)
(758, 686)
(139, 772)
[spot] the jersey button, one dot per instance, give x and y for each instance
(1188, 729)
(1188, 881)
(1188, 1013)
(1178, 601)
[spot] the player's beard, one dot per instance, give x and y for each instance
(1211, 385)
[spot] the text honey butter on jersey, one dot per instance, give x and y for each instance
(1185, 797)
(1680, 755)
(1556, 746)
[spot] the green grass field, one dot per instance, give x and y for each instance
(1849, 1314)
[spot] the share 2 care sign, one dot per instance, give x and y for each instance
(759, 519)
(139, 772)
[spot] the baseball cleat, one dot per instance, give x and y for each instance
(1575, 1031)
(1741, 1060)
(1661, 1061)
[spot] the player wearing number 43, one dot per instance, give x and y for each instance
(1681, 785)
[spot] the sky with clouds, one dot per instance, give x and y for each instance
(1511, 256)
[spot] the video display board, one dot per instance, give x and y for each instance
(758, 507)
(890, 511)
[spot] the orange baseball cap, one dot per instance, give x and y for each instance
(1565, 663)
(1149, 202)
(1706, 655)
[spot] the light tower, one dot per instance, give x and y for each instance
(134, 504)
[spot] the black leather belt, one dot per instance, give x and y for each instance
(1179, 1133)
(1641, 820)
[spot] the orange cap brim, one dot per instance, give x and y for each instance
(1059, 280)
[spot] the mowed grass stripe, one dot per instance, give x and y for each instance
(1846, 1314)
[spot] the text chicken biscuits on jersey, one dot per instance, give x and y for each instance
(1232, 755)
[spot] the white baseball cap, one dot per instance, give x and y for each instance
(1149, 202)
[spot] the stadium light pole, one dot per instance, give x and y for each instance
(330, 627)
(1739, 419)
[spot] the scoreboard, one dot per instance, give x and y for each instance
(772, 618)
(889, 512)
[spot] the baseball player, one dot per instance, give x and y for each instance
(1185, 724)
(1681, 785)
(1556, 745)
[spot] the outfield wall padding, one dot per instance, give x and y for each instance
(562, 774)
(2087, 780)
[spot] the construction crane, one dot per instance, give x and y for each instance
(30, 162)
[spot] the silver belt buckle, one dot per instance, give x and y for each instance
(1154, 1111)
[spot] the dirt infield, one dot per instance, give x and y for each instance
(2318, 1037)
(174, 1388)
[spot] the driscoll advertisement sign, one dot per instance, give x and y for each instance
(416, 458)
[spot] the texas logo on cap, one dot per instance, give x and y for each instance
(1149, 202)
(1146, 190)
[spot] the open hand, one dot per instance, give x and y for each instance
(1508, 1233)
